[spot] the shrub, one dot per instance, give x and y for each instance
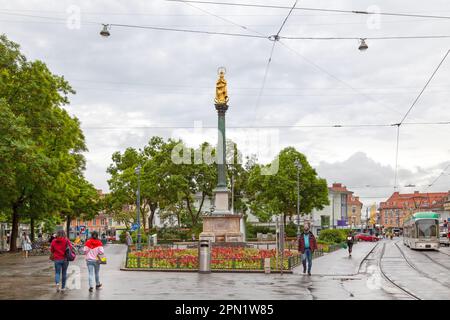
(144, 237)
(332, 236)
(291, 229)
(252, 231)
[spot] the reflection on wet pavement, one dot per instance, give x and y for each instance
(335, 276)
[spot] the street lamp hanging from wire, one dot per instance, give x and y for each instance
(363, 45)
(105, 32)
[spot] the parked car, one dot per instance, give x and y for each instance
(396, 232)
(366, 237)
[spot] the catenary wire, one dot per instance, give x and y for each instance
(266, 70)
(315, 9)
(224, 19)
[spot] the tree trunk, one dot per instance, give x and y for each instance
(143, 216)
(178, 218)
(188, 206)
(199, 209)
(68, 226)
(15, 230)
(32, 229)
(150, 218)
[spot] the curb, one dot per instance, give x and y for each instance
(212, 271)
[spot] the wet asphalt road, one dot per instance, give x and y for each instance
(335, 276)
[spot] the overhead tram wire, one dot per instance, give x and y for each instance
(224, 19)
(275, 39)
(188, 30)
(438, 177)
(315, 9)
(256, 35)
(331, 126)
(424, 88)
(409, 110)
(367, 38)
(315, 65)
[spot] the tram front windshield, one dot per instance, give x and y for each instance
(427, 228)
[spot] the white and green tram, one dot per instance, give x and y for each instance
(421, 231)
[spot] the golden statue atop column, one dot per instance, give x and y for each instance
(222, 225)
(221, 88)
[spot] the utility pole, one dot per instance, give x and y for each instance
(332, 209)
(138, 206)
(232, 192)
(299, 166)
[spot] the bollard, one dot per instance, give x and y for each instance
(267, 265)
(204, 256)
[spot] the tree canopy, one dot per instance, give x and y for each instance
(41, 145)
(277, 193)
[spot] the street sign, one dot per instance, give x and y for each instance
(81, 229)
(134, 227)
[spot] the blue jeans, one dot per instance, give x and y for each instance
(61, 267)
(94, 269)
(307, 256)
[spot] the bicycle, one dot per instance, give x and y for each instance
(79, 248)
(39, 249)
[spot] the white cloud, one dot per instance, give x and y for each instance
(143, 78)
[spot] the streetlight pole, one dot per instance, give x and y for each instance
(299, 166)
(232, 193)
(138, 206)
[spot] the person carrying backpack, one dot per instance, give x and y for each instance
(350, 241)
(93, 249)
(61, 254)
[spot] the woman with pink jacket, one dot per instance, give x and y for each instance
(92, 249)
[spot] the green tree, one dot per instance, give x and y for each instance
(83, 201)
(40, 143)
(277, 193)
(157, 182)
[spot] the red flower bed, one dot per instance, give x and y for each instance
(221, 258)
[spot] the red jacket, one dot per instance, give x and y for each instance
(312, 243)
(58, 248)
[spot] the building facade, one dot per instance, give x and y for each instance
(354, 206)
(338, 214)
(401, 205)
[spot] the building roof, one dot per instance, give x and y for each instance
(353, 201)
(339, 188)
(415, 200)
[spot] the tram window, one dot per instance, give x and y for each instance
(427, 228)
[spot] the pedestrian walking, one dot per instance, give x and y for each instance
(52, 237)
(93, 249)
(26, 244)
(350, 241)
(307, 244)
(58, 250)
(128, 239)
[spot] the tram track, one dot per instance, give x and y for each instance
(387, 278)
(435, 261)
(366, 257)
(413, 266)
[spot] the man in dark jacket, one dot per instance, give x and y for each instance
(307, 245)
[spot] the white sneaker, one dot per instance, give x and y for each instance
(57, 287)
(63, 289)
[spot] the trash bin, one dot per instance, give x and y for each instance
(204, 256)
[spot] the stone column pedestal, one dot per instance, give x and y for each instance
(222, 228)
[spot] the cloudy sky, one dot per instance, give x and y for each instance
(139, 82)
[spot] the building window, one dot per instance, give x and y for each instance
(94, 222)
(110, 221)
(103, 222)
